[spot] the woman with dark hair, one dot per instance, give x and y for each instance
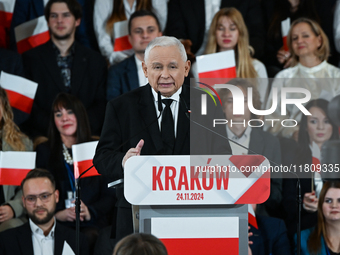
(314, 131)
(324, 238)
(69, 125)
(141, 244)
(108, 12)
(12, 212)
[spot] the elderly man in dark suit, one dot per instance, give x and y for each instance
(42, 234)
(128, 74)
(63, 65)
(131, 126)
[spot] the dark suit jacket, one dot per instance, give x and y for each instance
(18, 240)
(268, 145)
(122, 78)
(88, 79)
(26, 10)
(132, 117)
(94, 192)
(270, 237)
(186, 20)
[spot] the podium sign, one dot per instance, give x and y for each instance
(197, 180)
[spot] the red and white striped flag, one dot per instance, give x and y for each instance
(31, 34)
(198, 235)
(83, 154)
(6, 14)
(121, 33)
(252, 217)
(221, 66)
(285, 25)
(14, 166)
(20, 91)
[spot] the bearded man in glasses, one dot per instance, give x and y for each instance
(42, 234)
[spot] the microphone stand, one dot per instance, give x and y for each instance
(298, 231)
(77, 203)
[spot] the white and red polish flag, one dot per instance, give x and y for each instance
(121, 33)
(285, 25)
(252, 217)
(221, 66)
(14, 166)
(20, 91)
(6, 14)
(31, 34)
(83, 154)
(198, 235)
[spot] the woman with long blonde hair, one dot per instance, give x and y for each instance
(12, 213)
(108, 12)
(228, 31)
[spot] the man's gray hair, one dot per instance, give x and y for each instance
(165, 41)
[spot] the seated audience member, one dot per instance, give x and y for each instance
(229, 32)
(314, 131)
(68, 126)
(336, 27)
(269, 238)
(42, 234)
(309, 49)
(274, 12)
(128, 74)
(64, 65)
(323, 239)
(141, 244)
(191, 25)
(108, 12)
(254, 138)
(27, 10)
(12, 212)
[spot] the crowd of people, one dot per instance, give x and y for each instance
(89, 90)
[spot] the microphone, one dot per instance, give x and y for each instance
(298, 184)
(160, 106)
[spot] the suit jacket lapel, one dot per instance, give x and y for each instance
(25, 239)
(49, 58)
(256, 141)
(79, 67)
(147, 111)
(58, 241)
(182, 121)
(132, 74)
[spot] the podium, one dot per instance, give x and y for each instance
(196, 204)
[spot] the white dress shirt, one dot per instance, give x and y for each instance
(174, 106)
(42, 244)
(321, 81)
(243, 140)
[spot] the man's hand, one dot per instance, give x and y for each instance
(133, 152)
(68, 214)
(310, 202)
(6, 213)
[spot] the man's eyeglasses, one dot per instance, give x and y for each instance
(44, 197)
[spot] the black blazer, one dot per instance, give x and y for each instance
(132, 117)
(88, 79)
(122, 77)
(266, 144)
(186, 20)
(18, 240)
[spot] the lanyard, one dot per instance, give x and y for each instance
(70, 176)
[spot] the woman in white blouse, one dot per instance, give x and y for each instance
(309, 48)
(228, 31)
(107, 12)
